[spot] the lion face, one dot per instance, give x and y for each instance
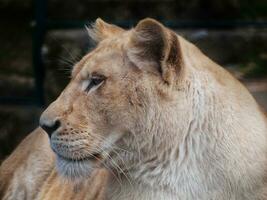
(116, 93)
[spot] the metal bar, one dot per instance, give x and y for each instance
(42, 25)
(38, 40)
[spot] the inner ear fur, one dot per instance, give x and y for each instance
(153, 43)
(101, 30)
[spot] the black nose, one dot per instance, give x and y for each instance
(49, 126)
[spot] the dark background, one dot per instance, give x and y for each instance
(232, 32)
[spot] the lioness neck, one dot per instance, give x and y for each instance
(138, 191)
(213, 156)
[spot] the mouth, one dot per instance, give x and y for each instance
(95, 157)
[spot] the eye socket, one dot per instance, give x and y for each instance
(94, 82)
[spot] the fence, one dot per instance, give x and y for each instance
(42, 25)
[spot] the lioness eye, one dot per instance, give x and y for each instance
(93, 82)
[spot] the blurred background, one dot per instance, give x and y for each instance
(41, 39)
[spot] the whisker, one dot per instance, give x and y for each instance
(116, 165)
(113, 145)
(73, 58)
(138, 148)
(117, 179)
(114, 148)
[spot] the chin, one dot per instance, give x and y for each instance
(75, 169)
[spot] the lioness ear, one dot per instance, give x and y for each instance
(153, 45)
(101, 30)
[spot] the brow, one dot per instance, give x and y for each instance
(78, 66)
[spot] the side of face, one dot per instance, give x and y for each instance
(114, 93)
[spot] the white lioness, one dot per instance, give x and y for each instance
(165, 120)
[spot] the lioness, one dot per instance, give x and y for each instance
(149, 106)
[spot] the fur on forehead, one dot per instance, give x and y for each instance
(100, 30)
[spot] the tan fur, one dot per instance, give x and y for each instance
(29, 173)
(166, 122)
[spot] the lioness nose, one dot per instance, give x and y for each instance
(49, 125)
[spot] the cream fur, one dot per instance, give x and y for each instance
(168, 122)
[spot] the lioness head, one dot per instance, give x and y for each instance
(126, 100)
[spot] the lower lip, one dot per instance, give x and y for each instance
(91, 159)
